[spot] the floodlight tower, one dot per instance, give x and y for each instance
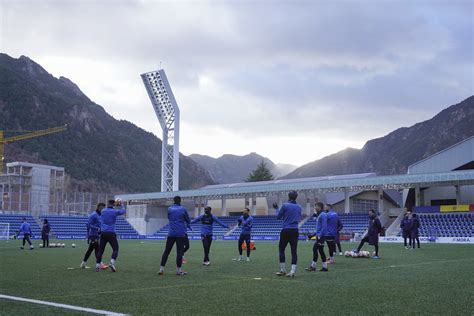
(167, 111)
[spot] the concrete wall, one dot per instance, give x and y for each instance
(147, 219)
(367, 195)
(446, 193)
(236, 205)
(40, 187)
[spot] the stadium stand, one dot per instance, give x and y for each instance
(196, 232)
(262, 226)
(432, 225)
(446, 225)
(64, 226)
(270, 226)
(15, 221)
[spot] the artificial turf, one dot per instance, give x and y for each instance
(438, 279)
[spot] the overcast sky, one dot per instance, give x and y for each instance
(292, 80)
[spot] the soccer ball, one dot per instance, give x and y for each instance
(52, 245)
(40, 245)
(373, 254)
(73, 245)
(347, 253)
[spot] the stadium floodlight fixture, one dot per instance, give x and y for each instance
(166, 109)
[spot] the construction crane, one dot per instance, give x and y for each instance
(4, 141)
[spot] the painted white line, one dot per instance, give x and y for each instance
(76, 308)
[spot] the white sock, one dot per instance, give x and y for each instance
(97, 265)
(325, 265)
(313, 264)
(162, 269)
(282, 267)
(112, 261)
(293, 268)
(240, 257)
(331, 258)
(83, 263)
(178, 270)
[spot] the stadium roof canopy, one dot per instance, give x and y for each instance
(355, 182)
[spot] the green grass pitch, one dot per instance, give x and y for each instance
(436, 280)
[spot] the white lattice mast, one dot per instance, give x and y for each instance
(167, 111)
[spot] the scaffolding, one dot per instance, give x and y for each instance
(39, 190)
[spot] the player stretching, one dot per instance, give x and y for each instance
(331, 232)
(245, 223)
(375, 227)
(108, 218)
(207, 220)
(290, 213)
(26, 230)
(178, 219)
(321, 231)
(93, 229)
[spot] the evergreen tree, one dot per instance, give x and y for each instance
(261, 173)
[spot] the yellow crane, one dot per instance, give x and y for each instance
(4, 141)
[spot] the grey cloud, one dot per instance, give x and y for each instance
(354, 67)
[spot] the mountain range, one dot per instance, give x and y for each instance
(233, 168)
(393, 153)
(103, 154)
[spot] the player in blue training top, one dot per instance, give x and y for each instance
(93, 231)
(245, 223)
(290, 213)
(321, 232)
(178, 220)
(331, 232)
(207, 220)
(26, 230)
(108, 217)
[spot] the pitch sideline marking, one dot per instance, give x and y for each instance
(66, 306)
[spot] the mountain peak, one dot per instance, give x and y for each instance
(72, 86)
(32, 68)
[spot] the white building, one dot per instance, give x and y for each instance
(457, 157)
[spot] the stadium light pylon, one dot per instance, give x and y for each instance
(167, 110)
